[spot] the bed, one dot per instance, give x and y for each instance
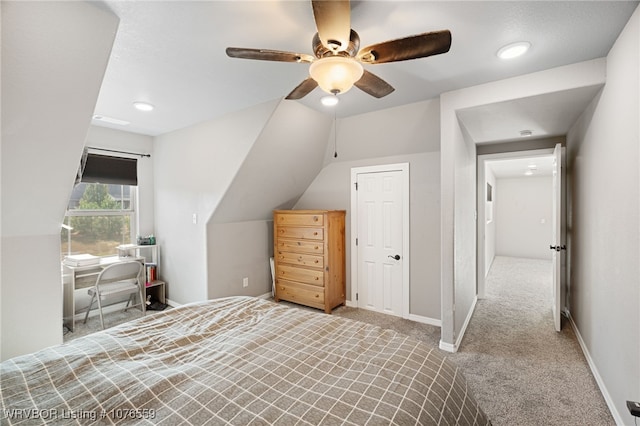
(242, 361)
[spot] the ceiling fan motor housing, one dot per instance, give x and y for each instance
(321, 51)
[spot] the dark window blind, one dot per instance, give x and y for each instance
(110, 170)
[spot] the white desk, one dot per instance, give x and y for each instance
(79, 277)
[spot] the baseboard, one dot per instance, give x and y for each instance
(594, 370)
(448, 347)
(411, 317)
(172, 303)
(425, 320)
(454, 347)
(265, 296)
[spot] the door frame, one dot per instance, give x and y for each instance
(558, 154)
(404, 169)
(480, 228)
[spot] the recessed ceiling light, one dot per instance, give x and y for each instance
(330, 100)
(513, 50)
(143, 106)
(528, 173)
(526, 133)
(532, 167)
(110, 120)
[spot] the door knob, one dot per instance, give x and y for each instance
(396, 257)
(558, 248)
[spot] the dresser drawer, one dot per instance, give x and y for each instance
(304, 275)
(303, 233)
(299, 246)
(299, 219)
(300, 293)
(301, 259)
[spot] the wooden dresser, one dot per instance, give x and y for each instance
(309, 257)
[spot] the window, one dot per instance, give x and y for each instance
(489, 204)
(99, 218)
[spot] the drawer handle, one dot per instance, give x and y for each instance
(317, 295)
(315, 218)
(315, 233)
(316, 261)
(316, 248)
(317, 278)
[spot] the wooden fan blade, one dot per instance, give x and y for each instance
(413, 47)
(303, 89)
(373, 85)
(268, 55)
(333, 20)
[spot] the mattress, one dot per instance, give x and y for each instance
(240, 361)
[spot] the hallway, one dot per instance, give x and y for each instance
(522, 371)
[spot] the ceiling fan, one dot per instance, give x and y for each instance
(336, 65)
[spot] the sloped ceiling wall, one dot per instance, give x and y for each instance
(282, 163)
(194, 167)
(50, 82)
(217, 180)
(54, 55)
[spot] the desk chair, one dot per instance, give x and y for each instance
(118, 279)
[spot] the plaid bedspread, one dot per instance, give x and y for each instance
(241, 361)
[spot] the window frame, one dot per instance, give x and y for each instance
(131, 212)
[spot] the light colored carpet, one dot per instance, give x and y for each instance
(519, 368)
(93, 325)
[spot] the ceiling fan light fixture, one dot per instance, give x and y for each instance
(329, 100)
(513, 50)
(526, 133)
(336, 74)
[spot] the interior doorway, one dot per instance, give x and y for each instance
(380, 244)
(515, 214)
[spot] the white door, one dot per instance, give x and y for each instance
(380, 242)
(556, 246)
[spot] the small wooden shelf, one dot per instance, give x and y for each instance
(157, 290)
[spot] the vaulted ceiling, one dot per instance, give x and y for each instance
(172, 53)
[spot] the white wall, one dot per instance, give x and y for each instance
(604, 228)
(489, 219)
(405, 129)
(230, 171)
(405, 134)
(523, 208)
(283, 161)
(457, 217)
(42, 142)
(239, 250)
(193, 168)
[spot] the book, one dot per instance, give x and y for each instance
(151, 272)
(81, 260)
